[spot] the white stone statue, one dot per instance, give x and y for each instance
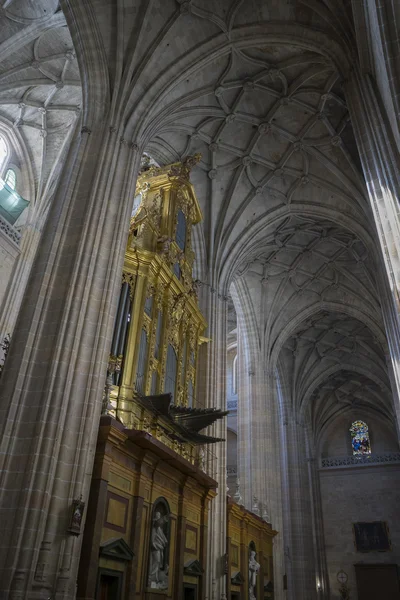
(202, 458)
(254, 567)
(237, 495)
(158, 572)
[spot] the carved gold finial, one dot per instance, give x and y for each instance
(183, 168)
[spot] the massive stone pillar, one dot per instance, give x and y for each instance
(274, 465)
(381, 165)
(297, 513)
(259, 458)
(212, 386)
(52, 385)
(321, 567)
(248, 373)
(244, 419)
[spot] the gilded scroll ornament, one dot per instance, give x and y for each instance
(183, 169)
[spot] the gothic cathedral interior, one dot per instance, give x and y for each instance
(199, 300)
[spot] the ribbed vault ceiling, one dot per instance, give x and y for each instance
(256, 87)
(273, 130)
(321, 312)
(333, 361)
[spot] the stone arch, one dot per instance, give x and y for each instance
(91, 58)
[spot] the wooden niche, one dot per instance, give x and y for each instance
(249, 537)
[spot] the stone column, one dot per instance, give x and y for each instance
(321, 567)
(244, 421)
(381, 165)
(215, 310)
(298, 531)
(273, 467)
(52, 385)
(258, 423)
(248, 379)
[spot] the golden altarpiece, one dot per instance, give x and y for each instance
(145, 534)
(159, 326)
(146, 528)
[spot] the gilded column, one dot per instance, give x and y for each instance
(138, 291)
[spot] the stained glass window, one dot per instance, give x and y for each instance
(360, 438)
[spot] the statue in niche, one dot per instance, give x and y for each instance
(254, 567)
(159, 543)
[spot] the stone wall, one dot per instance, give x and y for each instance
(354, 494)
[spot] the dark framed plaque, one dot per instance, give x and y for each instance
(76, 517)
(371, 537)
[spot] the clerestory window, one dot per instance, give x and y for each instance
(11, 179)
(360, 438)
